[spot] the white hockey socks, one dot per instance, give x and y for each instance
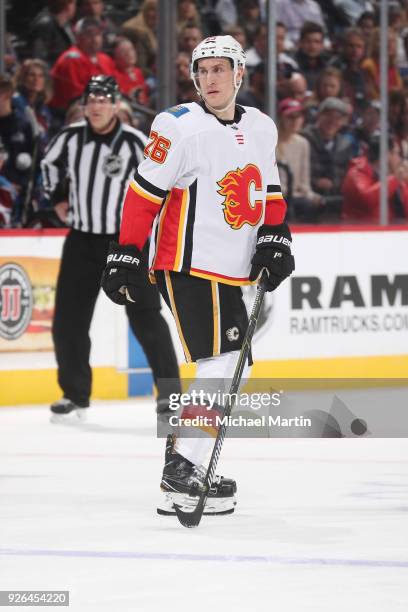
(212, 380)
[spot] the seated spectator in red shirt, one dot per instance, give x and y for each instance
(96, 10)
(129, 77)
(73, 69)
(361, 186)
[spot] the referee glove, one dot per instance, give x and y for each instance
(122, 276)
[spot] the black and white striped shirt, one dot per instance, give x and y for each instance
(98, 168)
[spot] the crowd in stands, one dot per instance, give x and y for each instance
(328, 91)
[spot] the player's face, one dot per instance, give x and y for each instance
(216, 81)
(101, 112)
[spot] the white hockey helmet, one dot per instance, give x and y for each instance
(218, 46)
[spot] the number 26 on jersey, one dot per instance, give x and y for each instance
(157, 148)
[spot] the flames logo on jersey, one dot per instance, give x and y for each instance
(235, 188)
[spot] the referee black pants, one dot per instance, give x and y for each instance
(82, 264)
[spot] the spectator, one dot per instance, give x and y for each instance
(286, 64)
(258, 52)
(8, 194)
(371, 65)
(361, 186)
(226, 13)
(255, 94)
(329, 84)
(17, 138)
(145, 54)
(250, 19)
(96, 10)
(186, 92)
(129, 77)
(144, 24)
(330, 152)
(189, 38)
(293, 154)
(349, 61)
(396, 21)
(295, 13)
(367, 125)
(187, 15)
(125, 114)
(367, 23)
(297, 87)
(353, 9)
(78, 64)
(34, 91)
(30, 101)
(310, 56)
(51, 33)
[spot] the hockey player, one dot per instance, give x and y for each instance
(210, 187)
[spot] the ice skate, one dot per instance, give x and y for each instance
(181, 482)
(64, 409)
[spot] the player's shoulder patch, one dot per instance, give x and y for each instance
(177, 111)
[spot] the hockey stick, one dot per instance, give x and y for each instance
(192, 519)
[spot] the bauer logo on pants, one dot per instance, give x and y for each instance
(16, 301)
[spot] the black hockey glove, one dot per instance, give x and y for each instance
(273, 255)
(122, 276)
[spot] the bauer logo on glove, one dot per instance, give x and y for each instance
(273, 255)
(274, 238)
(125, 259)
(122, 277)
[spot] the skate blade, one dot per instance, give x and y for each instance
(75, 417)
(162, 512)
(213, 506)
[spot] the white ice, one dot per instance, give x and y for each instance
(321, 525)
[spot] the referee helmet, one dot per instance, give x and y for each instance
(102, 85)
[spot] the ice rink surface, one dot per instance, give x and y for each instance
(321, 525)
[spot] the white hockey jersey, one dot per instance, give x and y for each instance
(212, 185)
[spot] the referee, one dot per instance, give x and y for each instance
(93, 160)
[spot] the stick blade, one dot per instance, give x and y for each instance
(191, 519)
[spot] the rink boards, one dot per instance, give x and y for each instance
(343, 314)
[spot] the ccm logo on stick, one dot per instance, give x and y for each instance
(124, 259)
(274, 238)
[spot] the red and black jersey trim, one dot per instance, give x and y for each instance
(273, 189)
(149, 187)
